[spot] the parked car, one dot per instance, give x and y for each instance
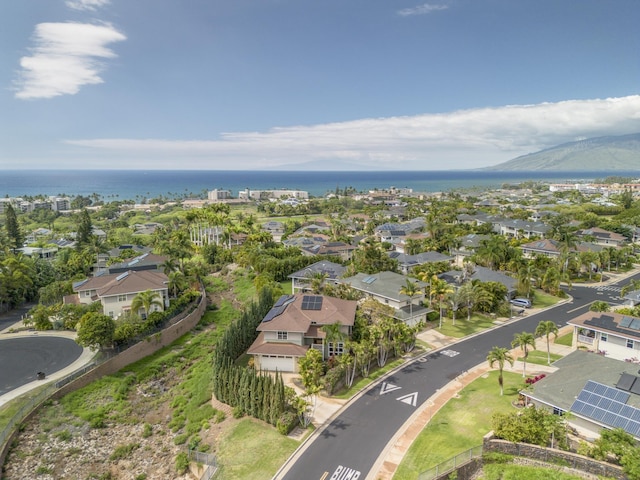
(521, 302)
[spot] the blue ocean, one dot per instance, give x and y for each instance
(136, 185)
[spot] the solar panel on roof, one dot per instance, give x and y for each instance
(312, 302)
(625, 322)
(635, 324)
(626, 381)
(369, 280)
(607, 406)
(635, 388)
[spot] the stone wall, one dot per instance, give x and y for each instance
(137, 352)
(140, 350)
(550, 455)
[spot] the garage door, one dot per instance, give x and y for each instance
(281, 363)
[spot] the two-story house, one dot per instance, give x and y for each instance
(294, 325)
(387, 288)
(116, 291)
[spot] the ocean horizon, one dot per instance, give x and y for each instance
(148, 184)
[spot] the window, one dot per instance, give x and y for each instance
(111, 314)
(122, 298)
(558, 411)
(87, 293)
(283, 335)
(336, 348)
(629, 343)
(604, 337)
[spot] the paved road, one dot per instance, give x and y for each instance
(349, 446)
(23, 357)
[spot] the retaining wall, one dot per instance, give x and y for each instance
(551, 455)
(134, 353)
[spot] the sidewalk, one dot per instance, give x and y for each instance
(16, 331)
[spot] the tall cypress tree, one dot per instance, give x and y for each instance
(85, 229)
(15, 237)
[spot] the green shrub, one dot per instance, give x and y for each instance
(43, 470)
(238, 412)
(123, 451)
(287, 422)
(182, 463)
(496, 457)
(181, 439)
(63, 435)
(147, 431)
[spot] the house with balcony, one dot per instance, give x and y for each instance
(386, 288)
(294, 325)
(116, 291)
(601, 236)
(612, 334)
(302, 279)
(407, 262)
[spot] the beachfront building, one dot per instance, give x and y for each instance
(248, 194)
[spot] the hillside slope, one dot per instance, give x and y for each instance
(613, 153)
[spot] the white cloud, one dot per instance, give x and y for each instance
(421, 10)
(461, 139)
(90, 5)
(65, 57)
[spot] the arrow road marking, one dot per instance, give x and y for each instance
(388, 387)
(411, 399)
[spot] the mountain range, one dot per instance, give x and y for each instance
(611, 153)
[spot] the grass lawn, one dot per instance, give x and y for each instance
(252, 450)
(543, 299)
(460, 424)
(566, 339)
(464, 327)
(498, 471)
(539, 357)
(363, 382)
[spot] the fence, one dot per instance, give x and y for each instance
(452, 464)
(61, 386)
(205, 459)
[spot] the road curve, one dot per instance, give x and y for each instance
(348, 447)
(24, 356)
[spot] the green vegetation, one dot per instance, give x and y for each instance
(464, 327)
(495, 471)
(566, 339)
(539, 357)
(460, 424)
(252, 451)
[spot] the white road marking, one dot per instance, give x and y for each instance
(388, 387)
(345, 473)
(411, 399)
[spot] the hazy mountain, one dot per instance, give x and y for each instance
(591, 155)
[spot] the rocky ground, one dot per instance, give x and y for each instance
(55, 445)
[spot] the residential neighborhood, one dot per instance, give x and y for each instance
(345, 285)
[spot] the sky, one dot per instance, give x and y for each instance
(310, 84)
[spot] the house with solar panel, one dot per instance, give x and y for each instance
(294, 325)
(116, 291)
(617, 335)
(598, 391)
(386, 288)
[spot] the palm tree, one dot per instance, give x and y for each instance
(546, 328)
(333, 334)
(146, 300)
(410, 289)
(524, 340)
(500, 355)
(455, 299)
